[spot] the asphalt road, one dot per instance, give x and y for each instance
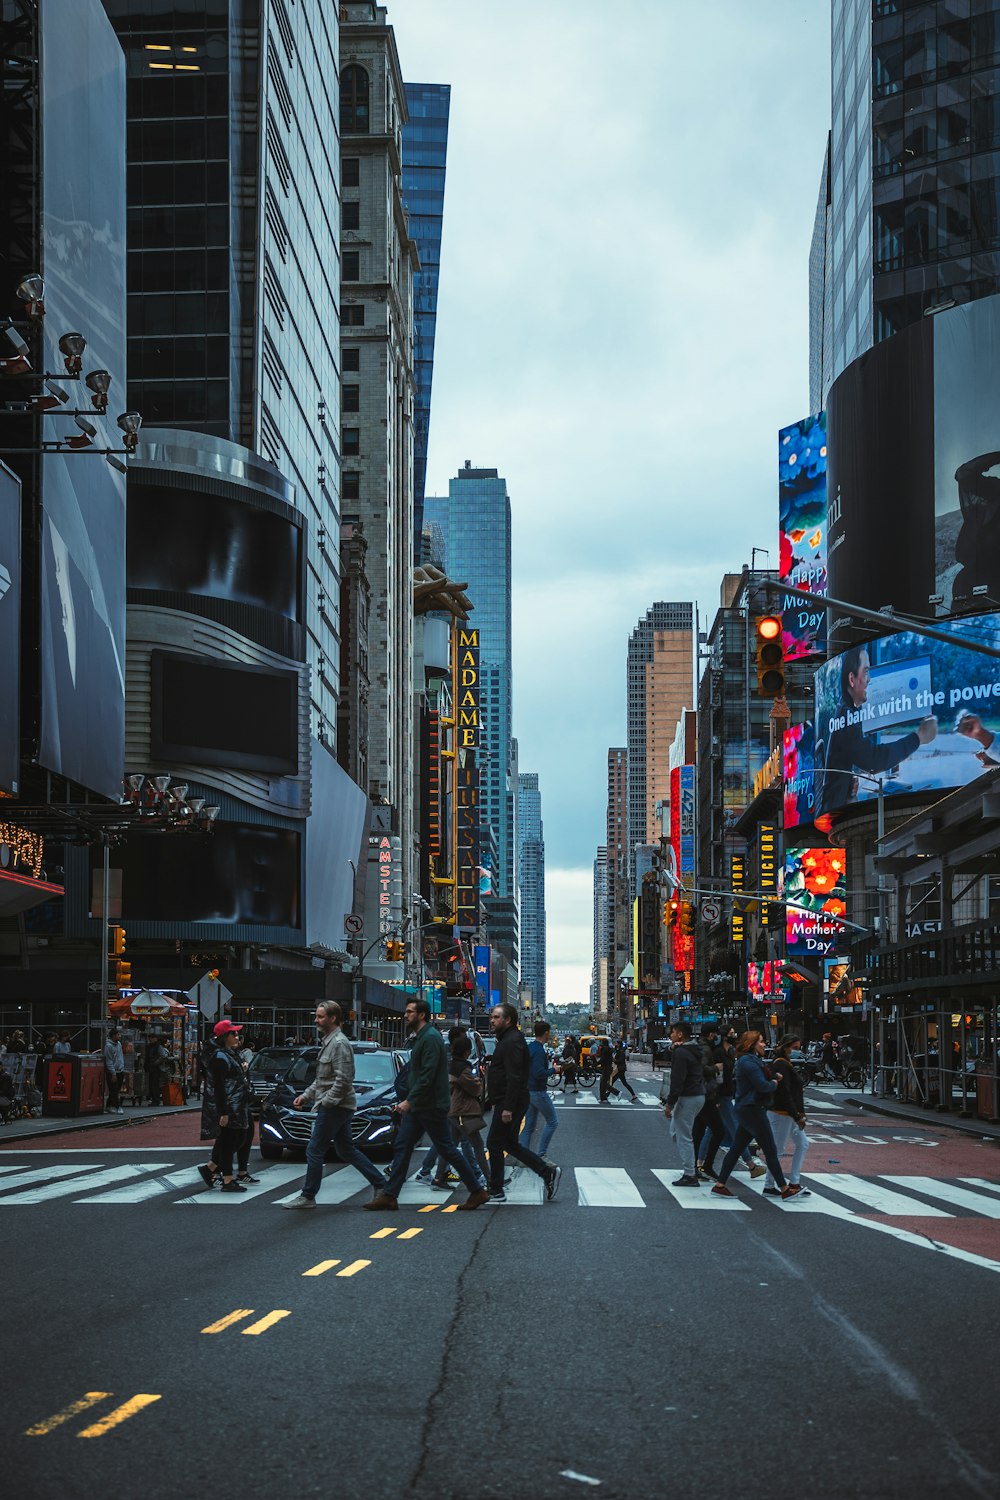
(616, 1340)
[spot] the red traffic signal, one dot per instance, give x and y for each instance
(769, 655)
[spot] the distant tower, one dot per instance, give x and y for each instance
(531, 866)
(660, 685)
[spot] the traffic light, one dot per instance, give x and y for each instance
(122, 966)
(395, 951)
(769, 656)
(688, 918)
(671, 907)
(123, 974)
(117, 942)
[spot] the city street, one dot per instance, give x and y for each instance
(628, 1337)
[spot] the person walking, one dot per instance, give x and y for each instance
(230, 1094)
(709, 1121)
(754, 1088)
(332, 1089)
(605, 1064)
(571, 1063)
(425, 1110)
(683, 1097)
(507, 1095)
(725, 1053)
(466, 1115)
(114, 1070)
(156, 1060)
(540, 1106)
(787, 1115)
(621, 1070)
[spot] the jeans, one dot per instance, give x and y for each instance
(114, 1090)
(474, 1151)
(684, 1113)
(727, 1113)
(503, 1138)
(436, 1125)
(332, 1127)
(753, 1126)
(784, 1128)
(540, 1107)
(709, 1121)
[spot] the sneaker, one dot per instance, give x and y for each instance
(773, 1192)
(451, 1176)
(475, 1200)
(424, 1178)
(382, 1202)
(758, 1171)
(440, 1186)
(233, 1187)
(498, 1197)
(247, 1177)
(791, 1190)
(708, 1174)
(207, 1176)
(300, 1202)
(686, 1181)
(552, 1178)
(723, 1191)
(803, 1192)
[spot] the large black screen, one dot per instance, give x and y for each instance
(231, 875)
(215, 713)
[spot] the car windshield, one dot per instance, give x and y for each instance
(272, 1060)
(369, 1068)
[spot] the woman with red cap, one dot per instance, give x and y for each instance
(230, 1092)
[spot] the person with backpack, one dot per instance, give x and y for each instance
(683, 1098)
(754, 1089)
(787, 1114)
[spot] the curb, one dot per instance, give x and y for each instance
(984, 1130)
(81, 1125)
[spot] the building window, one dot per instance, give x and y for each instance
(351, 265)
(350, 215)
(353, 100)
(350, 485)
(351, 359)
(353, 316)
(352, 441)
(350, 171)
(351, 399)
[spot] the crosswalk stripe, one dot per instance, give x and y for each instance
(982, 1182)
(95, 1179)
(606, 1187)
(527, 1188)
(271, 1178)
(877, 1199)
(336, 1187)
(697, 1198)
(47, 1174)
(586, 1099)
(140, 1192)
(987, 1208)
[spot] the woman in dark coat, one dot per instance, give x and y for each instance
(230, 1093)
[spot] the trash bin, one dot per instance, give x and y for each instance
(73, 1085)
(985, 1092)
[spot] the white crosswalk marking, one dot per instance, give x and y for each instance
(607, 1187)
(979, 1203)
(983, 1182)
(270, 1178)
(95, 1179)
(825, 1104)
(586, 1099)
(139, 1192)
(336, 1187)
(47, 1174)
(877, 1199)
(697, 1198)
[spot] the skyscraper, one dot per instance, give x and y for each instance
(602, 966)
(618, 926)
(474, 519)
(659, 673)
(913, 220)
(425, 152)
(531, 871)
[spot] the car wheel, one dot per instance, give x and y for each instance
(269, 1151)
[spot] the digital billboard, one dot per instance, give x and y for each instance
(815, 895)
(802, 454)
(798, 770)
(10, 628)
(222, 713)
(918, 714)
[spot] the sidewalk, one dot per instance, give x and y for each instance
(940, 1119)
(35, 1129)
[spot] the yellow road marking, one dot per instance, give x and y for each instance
(324, 1265)
(410, 1234)
(354, 1268)
(229, 1320)
(90, 1399)
(451, 1209)
(120, 1414)
(263, 1324)
(429, 1209)
(382, 1234)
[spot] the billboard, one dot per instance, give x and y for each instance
(918, 714)
(82, 612)
(802, 533)
(482, 958)
(10, 628)
(815, 895)
(798, 770)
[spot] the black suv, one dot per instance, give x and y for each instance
(373, 1126)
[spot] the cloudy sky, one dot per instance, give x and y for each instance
(622, 328)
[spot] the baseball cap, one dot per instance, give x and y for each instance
(222, 1028)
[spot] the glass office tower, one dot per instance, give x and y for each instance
(913, 190)
(474, 519)
(425, 151)
(531, 873)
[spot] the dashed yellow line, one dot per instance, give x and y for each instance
(119, 1415)
(410, 1234)
(451, 1209)
(354, 1268)
(263, 1324)
(382, 1234)
(73, 1410)
(324, 1265)
(229, 1320)
(429, 1209)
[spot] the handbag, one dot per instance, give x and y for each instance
(470, 1125)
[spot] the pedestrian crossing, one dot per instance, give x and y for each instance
(840, 1194)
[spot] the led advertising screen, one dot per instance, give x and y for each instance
(222, 713)
(802, 533)
(815, 895)
(921, 715)
(233, 875)
(798, 765)
(10, 628)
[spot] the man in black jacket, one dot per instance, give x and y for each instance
(683, 1098)
(507, 1096)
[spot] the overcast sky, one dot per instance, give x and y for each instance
(622, 328)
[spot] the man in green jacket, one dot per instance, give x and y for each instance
(425, 1110)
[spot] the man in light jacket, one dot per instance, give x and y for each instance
(683, 1097)
(333, 1091)
(114, 1070)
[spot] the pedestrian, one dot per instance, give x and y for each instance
(540, 1106)
(831, 1055)
(507, 1095)
(754, 1088)
(725, 1054)
(621, 1069)
(230, 1094)
(114, 1070)
(786, 1114)
(605, 1063)
(571, 1063)
(709, 1121)
(425, 1110)
(63, 1047)
(332, 1089)
(157, 1058)
(682, 1097)
(466, 1110)
(17, 1042)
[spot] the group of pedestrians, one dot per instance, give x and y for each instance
(720, 1088)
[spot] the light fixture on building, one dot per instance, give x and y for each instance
(130, 422)
(71, 347)
(31, 290)
(14, 359)
(99, 382)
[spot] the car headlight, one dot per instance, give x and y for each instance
(271, 1129)
(382, 1130)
